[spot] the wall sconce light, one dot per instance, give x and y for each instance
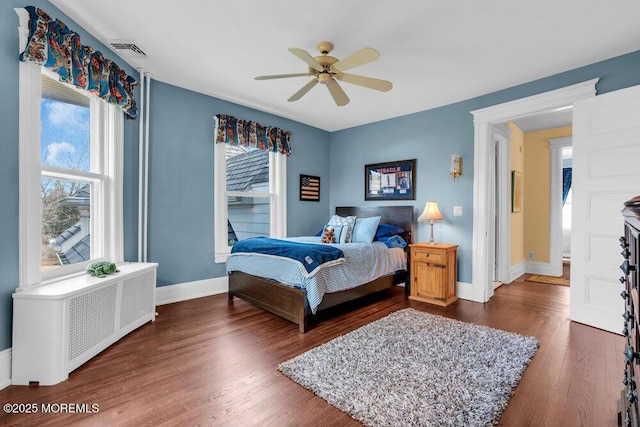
(456, 166)
(431, 213)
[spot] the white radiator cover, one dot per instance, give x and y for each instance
(58, 327)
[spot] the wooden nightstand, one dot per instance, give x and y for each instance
(433, 273)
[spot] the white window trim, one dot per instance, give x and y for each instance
(277, 195)
(30, 173)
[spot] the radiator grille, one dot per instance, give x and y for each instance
(91, 319)
(137, 298)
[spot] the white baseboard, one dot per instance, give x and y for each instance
(532, 267)
(5, 368)
(517, 271)
(544, 268)
(465, 291)
(191, 290)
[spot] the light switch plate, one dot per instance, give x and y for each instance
(457, 211)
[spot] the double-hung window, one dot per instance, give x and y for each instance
(70, 178)
(70, 151)
(249, 195)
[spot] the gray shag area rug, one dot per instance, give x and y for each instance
(417, 369)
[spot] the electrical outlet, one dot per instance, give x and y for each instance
(457, 211)
(532, 255)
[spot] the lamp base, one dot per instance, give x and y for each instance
(431, 241)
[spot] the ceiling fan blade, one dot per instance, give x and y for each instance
(306, 88)
(282, 76)
(368, 82)
(302, 54)
(337, 93)
(361, 57)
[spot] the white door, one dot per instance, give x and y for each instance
(606, 173)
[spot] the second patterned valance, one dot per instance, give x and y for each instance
(248, 133)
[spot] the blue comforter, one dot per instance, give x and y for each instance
(311, 257)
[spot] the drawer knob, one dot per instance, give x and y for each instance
(625, 332)
(627, 316)
(632, 396)
(623, 241)
(626, 268)
(622, 280)
(625, 253)
(623, 294)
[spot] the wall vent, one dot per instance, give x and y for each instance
(127, 48)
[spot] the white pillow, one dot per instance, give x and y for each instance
(349, 221)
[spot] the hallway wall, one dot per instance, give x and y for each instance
(537, 163)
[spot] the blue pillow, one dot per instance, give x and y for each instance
(365, 229)
(388, 230)
(393, 241)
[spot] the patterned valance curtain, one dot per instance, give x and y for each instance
(54, 46)
(230, 130)
(566, 183)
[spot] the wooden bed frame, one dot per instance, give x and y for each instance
(291, 303)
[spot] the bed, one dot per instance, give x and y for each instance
(292, 303)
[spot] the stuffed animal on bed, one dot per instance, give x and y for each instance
(101, 268)
(328, 236)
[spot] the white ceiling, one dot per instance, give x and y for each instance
(548, 120)
(434, 52)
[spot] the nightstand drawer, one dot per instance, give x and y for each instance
(433, 256)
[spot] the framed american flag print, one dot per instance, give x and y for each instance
(310, 188)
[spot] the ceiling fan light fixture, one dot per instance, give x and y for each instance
(328, 70)
(324, 78)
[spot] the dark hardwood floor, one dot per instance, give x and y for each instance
(204, 362)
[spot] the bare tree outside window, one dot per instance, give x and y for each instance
(65, 144)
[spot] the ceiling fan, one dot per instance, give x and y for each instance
(326, 70)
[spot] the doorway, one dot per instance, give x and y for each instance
(484, 179)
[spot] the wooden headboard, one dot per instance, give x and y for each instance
(396, 215)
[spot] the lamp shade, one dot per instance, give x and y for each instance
(431, 212)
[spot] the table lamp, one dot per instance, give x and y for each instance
(431, 213)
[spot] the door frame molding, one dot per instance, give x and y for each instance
(502, 138)
(483, 120)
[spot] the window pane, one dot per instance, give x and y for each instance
(65, 129)
(66, 234)
(247, 169)
(248, 217)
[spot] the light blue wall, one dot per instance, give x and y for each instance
(432, 136)
(181, 180)
(430, 139)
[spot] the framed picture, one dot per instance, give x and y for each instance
(310, 188)
(516, 191)
(390, 181)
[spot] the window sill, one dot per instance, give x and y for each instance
(81, 282)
